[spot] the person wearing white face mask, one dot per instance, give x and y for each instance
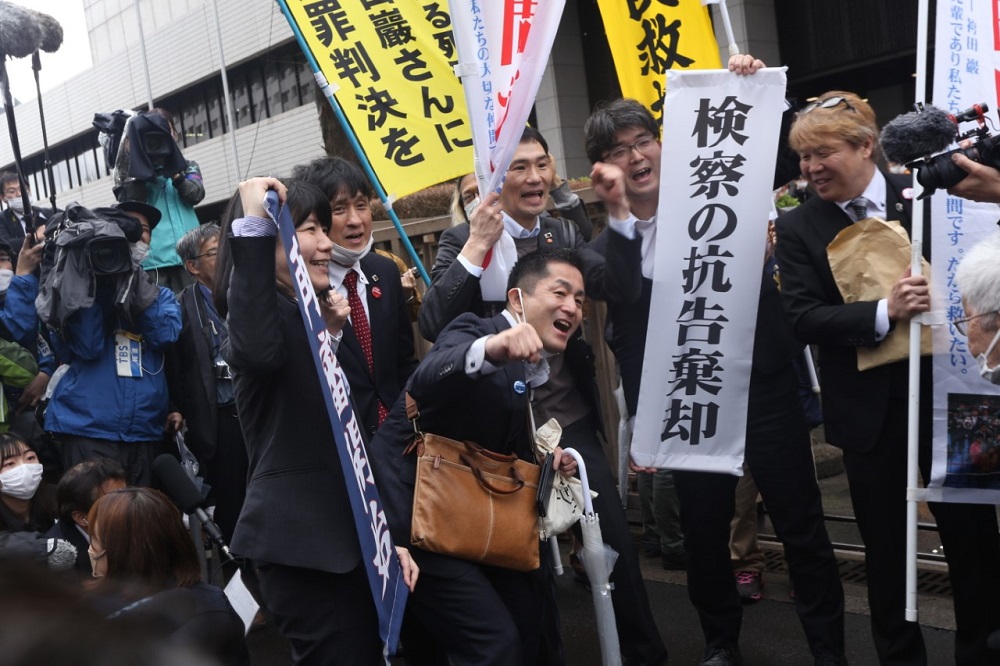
(12, 223)
(376, 350)
(27, 507)
(978, 278)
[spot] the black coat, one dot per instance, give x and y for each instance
(854, 402)
(297, 511)
(191, 378)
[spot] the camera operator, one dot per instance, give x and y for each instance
(158, 174)
(982, 183)
(111, 324)
(19, 325)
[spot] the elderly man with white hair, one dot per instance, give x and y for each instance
(978, 278)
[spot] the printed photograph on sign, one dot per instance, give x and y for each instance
(973, 441)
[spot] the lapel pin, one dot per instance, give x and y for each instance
(907, 194)
(520, 387)
(374, 277)
(899, 207)
(376, 292)
(548, 237)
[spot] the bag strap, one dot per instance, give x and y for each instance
(532, 428)
(412, 414)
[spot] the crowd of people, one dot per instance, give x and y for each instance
(128, 325)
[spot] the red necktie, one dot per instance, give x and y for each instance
(363, 332)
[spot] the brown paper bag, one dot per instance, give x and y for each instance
(866, 259)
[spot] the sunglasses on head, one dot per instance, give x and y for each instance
(827, 103)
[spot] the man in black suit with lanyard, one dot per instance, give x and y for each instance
(474, 385)
(462, 284)
(623, 143)
(376, 351)
(865, 412)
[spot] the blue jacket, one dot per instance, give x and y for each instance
(91, 400)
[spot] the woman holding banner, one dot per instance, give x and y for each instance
(296, 524)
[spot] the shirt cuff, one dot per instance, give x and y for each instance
(563, 197)
(476, 364)
(624, 227)
(254, 227)
(335, 340)
(474, 271)
(882, 325)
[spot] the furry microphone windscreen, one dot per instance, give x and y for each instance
(52, 32)
(24, 31)
(914, 135)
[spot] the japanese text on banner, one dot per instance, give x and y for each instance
(649, 37)
(390, 64)
(715, 183)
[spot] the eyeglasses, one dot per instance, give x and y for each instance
(621, 153)
(211, 253)
(828, 103)
(960, 324)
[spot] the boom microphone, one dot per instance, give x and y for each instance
(917, 134)
(52, 32)
(179, 487)
(20, 32)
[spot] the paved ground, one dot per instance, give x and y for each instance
(771, 634)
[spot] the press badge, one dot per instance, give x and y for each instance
(128, 354)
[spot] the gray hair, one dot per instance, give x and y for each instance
(978, 278)
(190, 243)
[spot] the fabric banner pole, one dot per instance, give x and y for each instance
(727, 24)
(328, 92)
(916, 268)
(385, 576)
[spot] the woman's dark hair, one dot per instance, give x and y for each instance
(12, 445)
(303, 199)
(79, 486)
(144, 540)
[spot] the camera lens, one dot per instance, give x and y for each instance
(941, 173)
(109, 256)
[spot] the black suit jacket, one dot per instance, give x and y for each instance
(11, 229)
(486, 410)
(392, 344)
(191, 377)
(454, 291)
(297, 512)
(854, 402)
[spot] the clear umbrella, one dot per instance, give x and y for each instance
(598, 559)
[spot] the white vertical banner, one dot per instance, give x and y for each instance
(966, 461)
(720, 137)
(503, 46)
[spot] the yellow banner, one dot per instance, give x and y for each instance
(648, 37)
(390, 63)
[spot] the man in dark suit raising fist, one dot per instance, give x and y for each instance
(623, 143)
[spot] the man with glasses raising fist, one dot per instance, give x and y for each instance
(865, 412)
